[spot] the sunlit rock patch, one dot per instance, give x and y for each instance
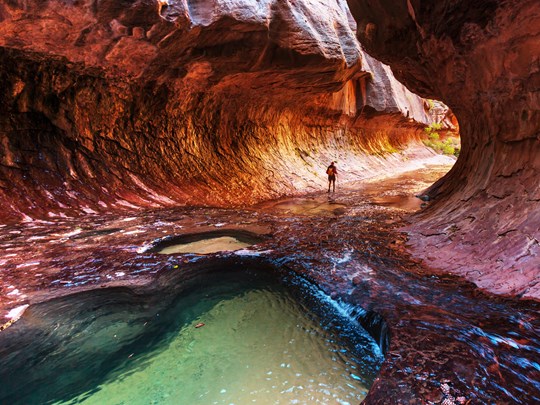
(225, 240)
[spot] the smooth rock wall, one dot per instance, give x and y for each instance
(119, 105)
(483, 60)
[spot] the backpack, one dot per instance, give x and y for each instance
(330, 171)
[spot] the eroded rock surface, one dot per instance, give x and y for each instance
(482, 59)
(111, 106)
(447, 339)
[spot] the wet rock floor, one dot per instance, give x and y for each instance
(449, 342)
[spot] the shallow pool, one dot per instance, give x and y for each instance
(228, 338)
(207, 246)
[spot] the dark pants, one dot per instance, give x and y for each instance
(332, 182)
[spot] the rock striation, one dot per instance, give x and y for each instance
(118, 105)
(482, 60)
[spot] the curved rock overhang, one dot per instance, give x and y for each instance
(483, 60)
(118, 105)
(111, 106)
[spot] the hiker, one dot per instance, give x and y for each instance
(332, 173)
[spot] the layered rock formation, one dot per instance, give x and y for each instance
(112, 106)
(117, 105)
(482, 59)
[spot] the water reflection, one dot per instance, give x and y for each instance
(315, 206)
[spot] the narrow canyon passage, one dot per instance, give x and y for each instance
(138, 138)
(443, 339)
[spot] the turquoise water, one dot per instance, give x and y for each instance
(259, 344)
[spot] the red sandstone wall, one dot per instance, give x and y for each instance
(113, 106)
(483, 60)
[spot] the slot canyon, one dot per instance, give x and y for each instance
(132, 131)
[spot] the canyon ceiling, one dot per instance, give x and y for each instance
(115, 105)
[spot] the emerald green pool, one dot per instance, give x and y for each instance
(261, 342)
